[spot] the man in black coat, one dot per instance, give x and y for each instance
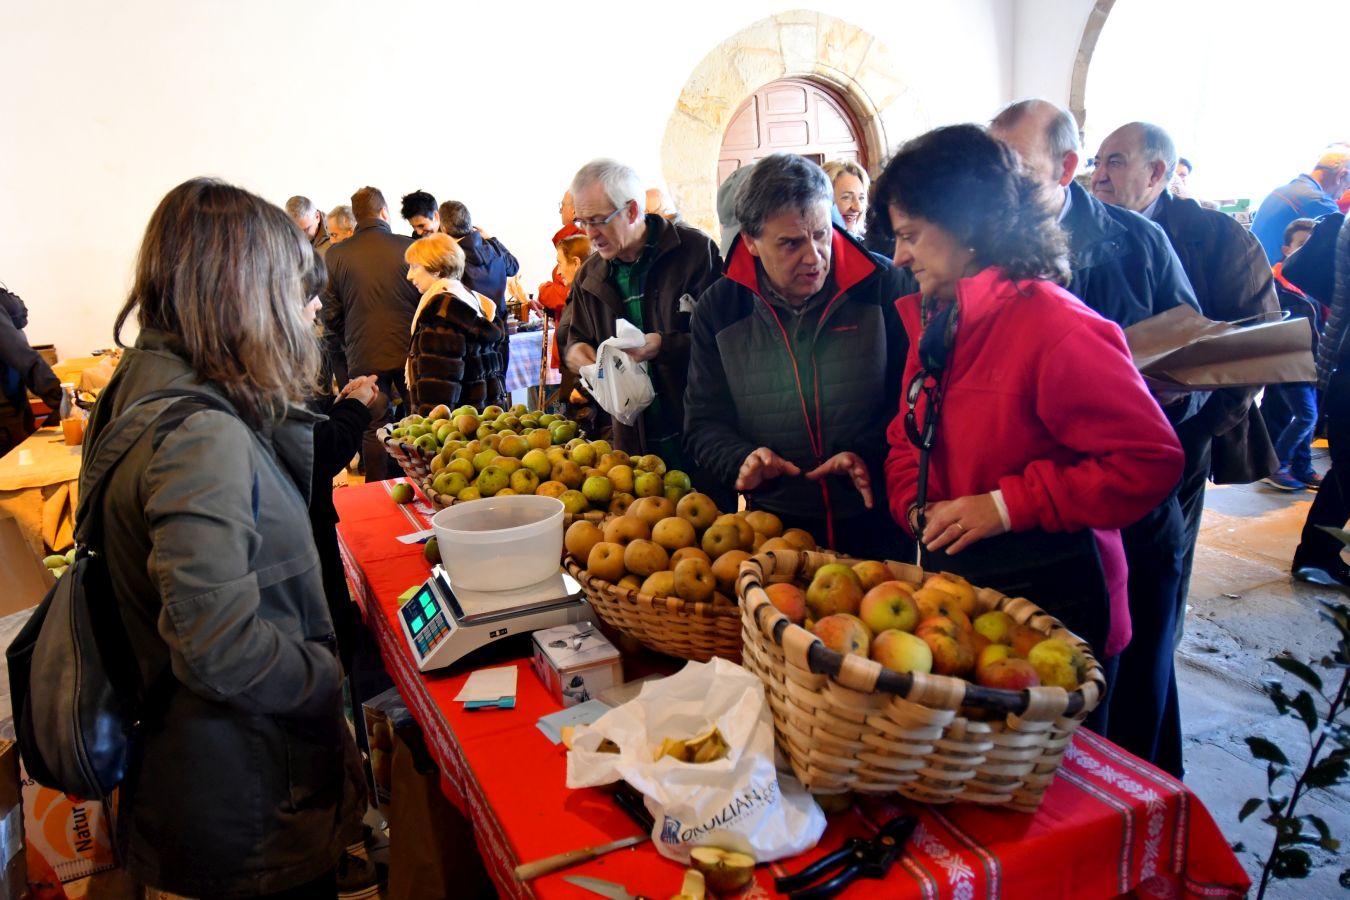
(1124, 269)
(368, 308)
(21, 369)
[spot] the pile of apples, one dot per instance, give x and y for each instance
(518, 451)
(926, 628)
(687, 549)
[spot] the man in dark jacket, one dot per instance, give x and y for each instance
(368, 308)
(796, 364)
(648, 271)
(21, 369)
(1227, 268)
(1124, 269)
(487, 264)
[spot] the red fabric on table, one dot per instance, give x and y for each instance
(1109, 823)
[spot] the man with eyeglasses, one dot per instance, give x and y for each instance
(646, 270)
(796, 365)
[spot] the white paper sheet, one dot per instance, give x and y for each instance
(489, 684)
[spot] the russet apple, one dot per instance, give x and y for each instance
(743, 529)
(580, 538)
(694, 580)
(605, 561)
(789, 600)
(651, 509)
(872, 573)
(800, 538)
(568, 472)
(933, 602)
(834, 589)
(698, 508)
(726, 569)
(684, 553)
(719, 539)
(631, 582)
(765, 523)
(623, 530)
(550, 489)
(620, 504)
(990, 655)
(888, 605)
(778, 544)
(674, 533)
(574, 502)
(902, 651)
(649, 484)
(598, 491)
(621, 476)
(659, 584)
(843, 633)
(642, 557)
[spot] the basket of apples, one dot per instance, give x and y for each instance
(664, 572)
(884, 678)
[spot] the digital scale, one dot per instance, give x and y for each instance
(443, 625)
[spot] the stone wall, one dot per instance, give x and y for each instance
(796, 44)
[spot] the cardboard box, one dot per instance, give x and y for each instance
(576, 662)
(14, 872)
(25, 577)
(66, 840)
(380, 715)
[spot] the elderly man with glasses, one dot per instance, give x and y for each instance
(646, 270)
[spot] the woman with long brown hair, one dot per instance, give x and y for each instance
(243, 779)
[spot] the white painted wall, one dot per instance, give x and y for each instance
(107, 106)
(1046, 35)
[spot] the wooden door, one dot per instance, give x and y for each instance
(795, 116)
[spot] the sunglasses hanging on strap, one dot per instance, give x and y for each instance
(935, 348)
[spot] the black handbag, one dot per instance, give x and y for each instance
(1061, 572)
(75, 684)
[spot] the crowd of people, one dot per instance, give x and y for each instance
(967, 396)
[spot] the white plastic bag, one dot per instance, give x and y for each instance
(621, 386)
(737, 803)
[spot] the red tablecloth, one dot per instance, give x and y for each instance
(1110, 823)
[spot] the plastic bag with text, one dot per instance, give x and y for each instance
(621, 386)
(740, 802)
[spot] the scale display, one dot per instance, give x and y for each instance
(442, 625)
(427, 621)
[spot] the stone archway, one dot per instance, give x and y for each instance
(1086, 45)
(802, 44)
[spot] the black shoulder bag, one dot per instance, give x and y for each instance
(75, 683)
(1061, 572)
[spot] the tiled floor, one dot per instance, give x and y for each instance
(1245, 608)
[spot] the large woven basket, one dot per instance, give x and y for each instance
(848, 724)
(669, 625)
(415, 462)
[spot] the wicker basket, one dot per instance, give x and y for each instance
(415, 462)
(848, 724)
(669, 625)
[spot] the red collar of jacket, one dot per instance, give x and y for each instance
(850, 264)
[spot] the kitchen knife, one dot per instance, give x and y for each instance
(531, 870)
(603, 888)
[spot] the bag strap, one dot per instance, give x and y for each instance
(114, 442)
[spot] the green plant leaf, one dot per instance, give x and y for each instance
(1307, 710)
(1275, 691)
(1239, 847)
(1345, 879)
(1249, 807)
(1264, 749)
(1298, 669)
(1276, 805)
(1327, 772)
(1291, 862)
(1273, 772)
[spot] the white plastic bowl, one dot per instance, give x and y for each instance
(500, 543)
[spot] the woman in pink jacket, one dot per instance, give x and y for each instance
(1025, 437)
